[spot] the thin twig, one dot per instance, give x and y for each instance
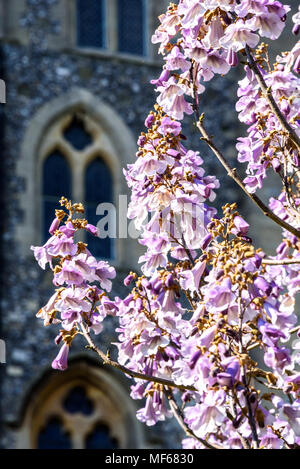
(244, 441)
(232, 172)
(269, 97)
(280, 261)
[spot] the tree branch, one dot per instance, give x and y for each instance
(233, 174)
(280, 261)
(269, 97)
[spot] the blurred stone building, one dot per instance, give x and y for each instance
(77, 78)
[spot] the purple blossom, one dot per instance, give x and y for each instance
(61, 361)
(169, 126)
(92, 229)
(220, 297)
(104, 272)
(241, 225)
(277, 358)
(54, 226)
(238, 35)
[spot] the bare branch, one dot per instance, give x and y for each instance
(269, 97)
(234, 175)
(280, 261)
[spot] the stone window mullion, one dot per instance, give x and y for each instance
(78, 184)
(111, 29)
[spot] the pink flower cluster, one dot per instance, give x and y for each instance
(81, 280)
(170, 187)
(265, 146)
(202, 38)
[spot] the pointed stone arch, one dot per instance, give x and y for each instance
(107, 392)
(114, 142)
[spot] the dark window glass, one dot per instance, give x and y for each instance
(78, 402)
(53, 436)
(76, 135)
(131, 26)
(101, 439)
(56, 183)
(98, 189)
(91, 23)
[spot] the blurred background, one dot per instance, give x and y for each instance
(77, 76)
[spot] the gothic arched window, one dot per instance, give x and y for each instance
(53, 436)
(100, 438)
(87, 179)
(132, 26)
(56, 182)
(86, 407)
(77, 135)
(62, 431)
(98, 189)
(91, 23)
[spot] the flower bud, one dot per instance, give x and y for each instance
(219, 274)
(128, 299)
(128, 280)
(232, 58)
(195, 357)
(225, 379)
(263, 285)
(163, 77)
(157, 287)
(205, 242)
(296, 66)
(296, 29)
(173, 153)
(91, 229)
(146, 284)
(169, 281)
(241, 225)
(61, 361)
(149, 121)
(281, 248)
(141, 141)
(257, 261)
(54, 226)
(58, 339)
